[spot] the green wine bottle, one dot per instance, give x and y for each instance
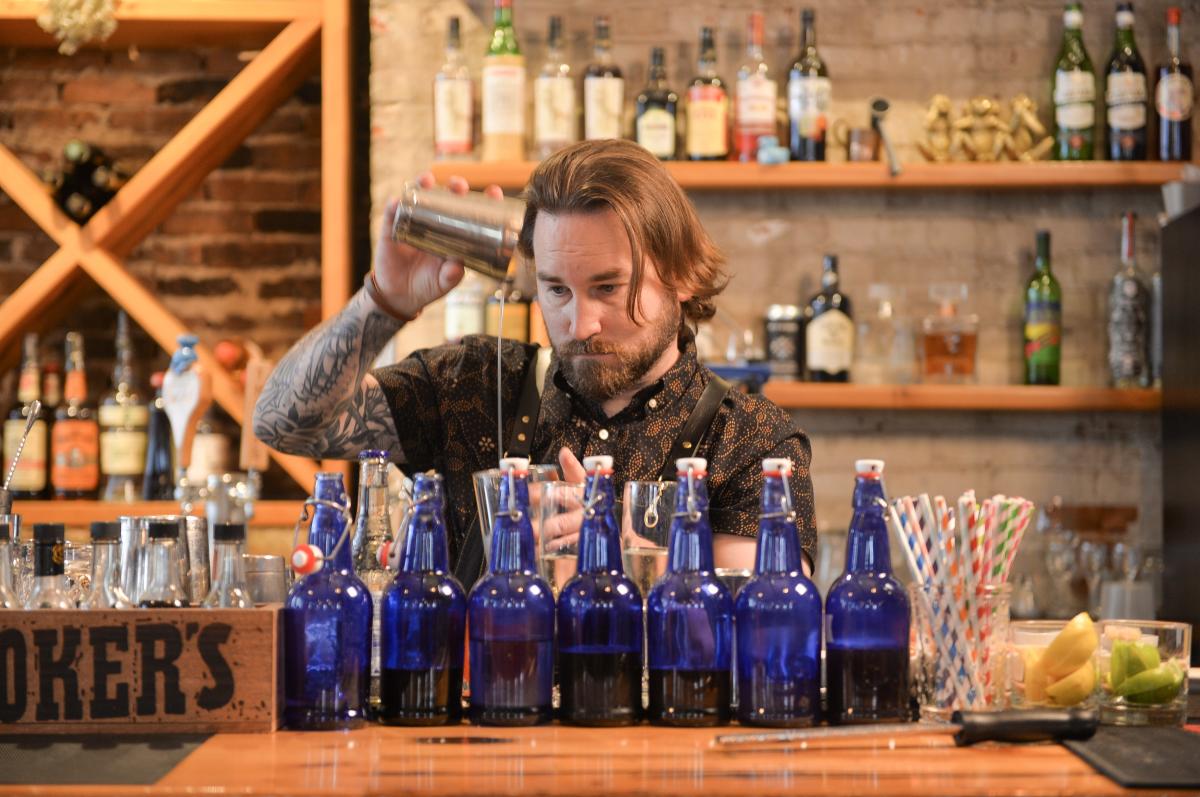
(1074, 92)
(1043, 319)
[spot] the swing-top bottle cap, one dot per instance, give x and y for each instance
(780, 465)
(519, 464)
(598, 462)
(697, 464)
(869, 467)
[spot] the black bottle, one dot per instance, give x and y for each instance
(828, 330)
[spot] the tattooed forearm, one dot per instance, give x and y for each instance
(321, 401)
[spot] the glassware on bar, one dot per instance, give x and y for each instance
(487, 497)
(778, 619)
(163, 587)
(558, 509)
(372, 531)
(645, 531)
(105, 589)
(423, 621)
(511, 617)
(49, 582)
(229, 588)
(1053, 663)
(690, 617)
(8, 593)
(600, 631)
(1143, 672)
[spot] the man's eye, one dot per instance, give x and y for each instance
(609, 289)
(557, 290)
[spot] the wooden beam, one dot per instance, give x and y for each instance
(37, 293)
(336, 158)
(231, 12)
(967, 398)
(181, 166)
(33, 196)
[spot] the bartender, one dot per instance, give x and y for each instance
(624, 272)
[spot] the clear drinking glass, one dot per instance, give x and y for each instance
(1059, 679)
(557, 513)
(77, 567)
(645, 530)
(1144, 672)
(487, 497)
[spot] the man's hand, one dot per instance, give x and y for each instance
(409, 278)
(562, 530)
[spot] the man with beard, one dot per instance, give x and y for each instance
(624, 271)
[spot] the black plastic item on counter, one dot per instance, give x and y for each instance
(1143, 757)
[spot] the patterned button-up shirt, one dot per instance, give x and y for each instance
(443, 401)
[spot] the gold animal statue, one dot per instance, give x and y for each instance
(938, 129)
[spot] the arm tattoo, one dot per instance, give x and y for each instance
(321, 401)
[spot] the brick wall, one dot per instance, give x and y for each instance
(906, 51)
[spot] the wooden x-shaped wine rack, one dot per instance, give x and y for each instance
(310, 34)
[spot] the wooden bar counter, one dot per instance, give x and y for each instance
(643, 760)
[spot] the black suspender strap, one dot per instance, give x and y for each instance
(696, 426)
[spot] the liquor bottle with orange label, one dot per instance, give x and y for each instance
(75, 440)
(29, 478)
(707, 107)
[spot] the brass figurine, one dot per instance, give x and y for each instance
(936, 146)
(982, 132)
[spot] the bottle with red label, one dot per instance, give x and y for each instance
(707, 107)
(29, 478)
(75, 441)
(1174, 96)
(757, 94)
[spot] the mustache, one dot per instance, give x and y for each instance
(589, 346)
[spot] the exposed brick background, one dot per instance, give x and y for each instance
(904, 50)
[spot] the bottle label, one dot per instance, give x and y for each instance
(603, 104)
(49, 559)
(1074, 99)
(707, 122)
(656, 132)
(452, 105)
(1043, 332)
(1128, 322)
(30, 475)
(1126, 99)
(1174, 98)
(116, 415)
(75, 448)
(52, 389)
(809, 98)
(756, 98)
(503, 99)
(122, 453)
(553, 110)
(829, 342)
(27, 387)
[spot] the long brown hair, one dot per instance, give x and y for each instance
(659, 219)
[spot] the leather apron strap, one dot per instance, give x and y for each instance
(696, 426)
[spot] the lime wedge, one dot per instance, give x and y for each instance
(1142, 657)
(1119, 668)
(1171, 681)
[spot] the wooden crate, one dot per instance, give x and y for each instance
(141, 671)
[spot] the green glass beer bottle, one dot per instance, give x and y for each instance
(1043, 319)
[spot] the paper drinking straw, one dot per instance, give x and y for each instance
(1024, 515)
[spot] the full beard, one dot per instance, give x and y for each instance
(603, 379)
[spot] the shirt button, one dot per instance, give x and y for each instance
(652, 404)
(603, 434)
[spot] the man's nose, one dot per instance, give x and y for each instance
(585, 320)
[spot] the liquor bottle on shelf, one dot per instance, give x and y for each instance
(1125, 93)
(1129, 317)
(229, 589)
(163, 589)
(1043, 319)
(510, 613)
(49, 579)
(465, 308)
(105, 591)
(707, 107)
(75, 440)
(756, 95)
(1174, 98)
(867, 617)
(424, 621)
(158, 480)
(52, 385)
(554, 115)
(778, 618)
(656, 109)
(29, 479)
(327, 622)
(600, 618)
(1074, 92)
(8, 585)
(690, 617)
(809, 96)
(828, 329)
(372, 531)
(503, 90)
(453, 102)
(603, 89)
(950, 338)
(123, 420)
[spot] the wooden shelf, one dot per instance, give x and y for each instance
(973, 398)
(862, 176)
(81, 513)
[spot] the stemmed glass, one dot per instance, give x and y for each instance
(1093, 558)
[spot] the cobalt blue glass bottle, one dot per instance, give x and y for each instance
(690, 622)
(778, 616)
(423, 620)
(510, 613)
(327, 622)
(867, 616)
(600, 618)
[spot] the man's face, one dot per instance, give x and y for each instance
(584, 276)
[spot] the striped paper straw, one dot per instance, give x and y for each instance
(1024, 515)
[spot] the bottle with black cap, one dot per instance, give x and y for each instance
(8, 597)
(49, 581)
(163, 589)
(106, 574)
(229, 590)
